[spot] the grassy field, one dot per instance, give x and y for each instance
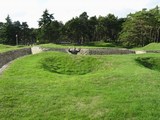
(42, 87)
(99, 44)
(151, 46)
(4, 48)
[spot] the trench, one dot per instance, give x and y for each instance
(7, 57)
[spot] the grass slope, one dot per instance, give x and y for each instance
(151, 46)
(120, 88)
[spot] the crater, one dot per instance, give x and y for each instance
(149, 62)
(70, 64)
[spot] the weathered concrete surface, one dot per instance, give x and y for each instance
(93, 51)
(84, 52)
(140, 52)
(4, 67)
(36, 50)
(6, 57)
(108, 51)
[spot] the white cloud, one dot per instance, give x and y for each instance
(31, 10)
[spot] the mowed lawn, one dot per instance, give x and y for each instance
(75, 88)
(5, 48)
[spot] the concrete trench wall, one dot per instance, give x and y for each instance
(97, 51)
(101, 51)
(55, 49)
(153, 51)
(6, 57)
(9, 56)
(104, 51)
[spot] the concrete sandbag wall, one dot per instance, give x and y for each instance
(55, 49)
(102, 51)
(94, 51)
(153, 51)
(6, 57)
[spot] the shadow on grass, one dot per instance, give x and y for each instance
(149, 62)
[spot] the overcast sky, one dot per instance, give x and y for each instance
(31, 10)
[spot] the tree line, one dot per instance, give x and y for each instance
(141, 28)
(137, 29)
(10, 32)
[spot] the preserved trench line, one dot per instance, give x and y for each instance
(7, 57)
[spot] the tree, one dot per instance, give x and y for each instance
(10, 35)
(92, 23)
(2, 33)
(44, 24)
(111, 23)
(46, 19)
(141, 28)
(108, 28)
(55, 31)
(25, 34)
(77, 29)
(71, 30)
(10, 32)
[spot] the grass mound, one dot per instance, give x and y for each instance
(152, 46)
(149, 62)
(70, 64)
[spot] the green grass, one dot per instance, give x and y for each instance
(51, 45)
(70, 64)
(89, 45)
(120, 88)
(151, 46)
(4, 48)
(150, 62)
(100, 44)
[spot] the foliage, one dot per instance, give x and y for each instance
(49, 31)
(82, 30)
(137, 30)
(141, 28)
(15, 33)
